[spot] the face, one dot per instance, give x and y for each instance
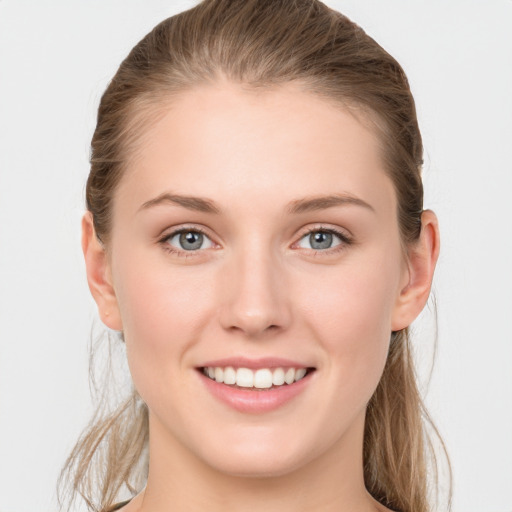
(256, 231)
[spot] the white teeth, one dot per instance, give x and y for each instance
(278, 377)
(289, 376)
(229, 375)
(300, 373)
(244, 378)
(219, 374)
(263, 378)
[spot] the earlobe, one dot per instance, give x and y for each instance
(99, 276)
(422, 259)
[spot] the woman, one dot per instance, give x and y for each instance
(255, 231)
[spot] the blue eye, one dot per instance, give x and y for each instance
(320, 240)
(189, 240)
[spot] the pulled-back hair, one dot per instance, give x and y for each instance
(264, 44)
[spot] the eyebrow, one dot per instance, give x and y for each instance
(322, 202)
(308, 204)
(191, 203)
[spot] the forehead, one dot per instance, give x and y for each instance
(246, 144)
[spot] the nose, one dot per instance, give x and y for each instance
(255, 302)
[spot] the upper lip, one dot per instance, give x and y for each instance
(255, 364)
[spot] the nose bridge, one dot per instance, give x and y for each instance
(255, 302)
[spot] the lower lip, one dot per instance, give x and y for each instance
(253, 400)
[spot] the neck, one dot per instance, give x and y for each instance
(180, 480)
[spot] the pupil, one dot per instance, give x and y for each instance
(320, 240)
(191, 240)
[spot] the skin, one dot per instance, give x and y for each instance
(257, 288)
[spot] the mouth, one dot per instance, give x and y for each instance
(257, 385)
(261, 379)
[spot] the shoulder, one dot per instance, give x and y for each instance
(118, 506)
(131, 505)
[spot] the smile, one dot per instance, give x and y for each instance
(263, 378)
(267, 386)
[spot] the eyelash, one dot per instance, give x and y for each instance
(345, 240)
(177, 252)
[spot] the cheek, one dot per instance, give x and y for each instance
(351, 301)
(350, 314)
(163, 312)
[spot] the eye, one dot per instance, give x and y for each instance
(189, 240)
(322, 239)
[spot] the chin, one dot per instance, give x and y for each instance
(262, 466)
(261, 457)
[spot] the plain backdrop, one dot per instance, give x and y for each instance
(56, 58)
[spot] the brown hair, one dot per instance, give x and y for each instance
(265, 43)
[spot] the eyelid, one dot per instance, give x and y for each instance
(169, 233)
(344, 235)
(180, 228)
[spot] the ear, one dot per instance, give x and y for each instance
(422, 258)
(99, 275)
